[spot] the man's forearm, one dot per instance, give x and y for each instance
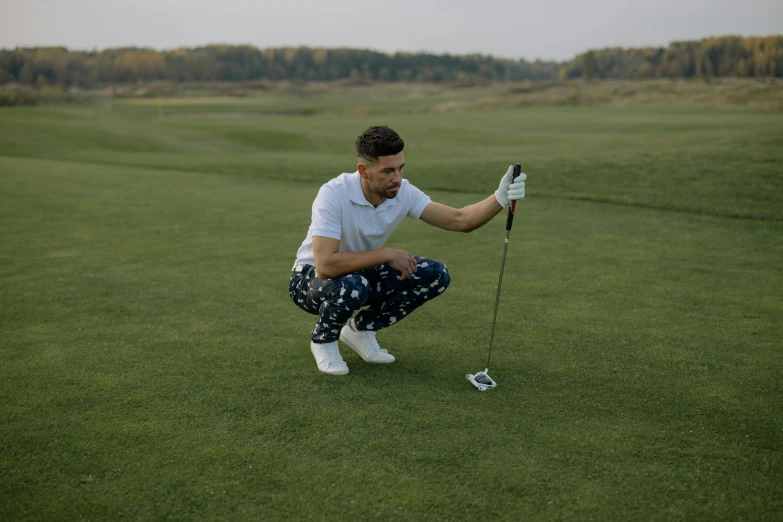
(341, 263)
(478, 214)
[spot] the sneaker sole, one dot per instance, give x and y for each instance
(362, 356)
(333, 373)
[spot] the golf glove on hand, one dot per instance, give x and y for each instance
(508, 191)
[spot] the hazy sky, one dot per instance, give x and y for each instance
(546, 29)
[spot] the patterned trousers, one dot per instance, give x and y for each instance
(387, 299)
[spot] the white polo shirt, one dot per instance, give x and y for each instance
(340, 211)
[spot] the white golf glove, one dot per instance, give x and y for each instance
(508, 191)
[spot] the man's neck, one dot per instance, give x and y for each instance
(373, 199)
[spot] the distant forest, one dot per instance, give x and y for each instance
(727, 56)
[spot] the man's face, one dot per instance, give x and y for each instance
(385, 176)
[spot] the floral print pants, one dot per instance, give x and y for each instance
(386, 300)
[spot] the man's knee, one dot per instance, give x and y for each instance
(444, 277)
(435, 273)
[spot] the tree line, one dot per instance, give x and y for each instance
(728, 56)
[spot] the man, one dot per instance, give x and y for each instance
(342, 266)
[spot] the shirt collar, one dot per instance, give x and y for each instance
(356, 194)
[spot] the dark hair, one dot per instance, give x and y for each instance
(378, 141)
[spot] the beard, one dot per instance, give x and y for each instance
(391, 192)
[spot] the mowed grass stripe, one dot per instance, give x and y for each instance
(156, 367)
(707, 162)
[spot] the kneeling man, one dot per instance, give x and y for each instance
(342, 266)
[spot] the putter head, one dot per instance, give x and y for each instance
(481, 380)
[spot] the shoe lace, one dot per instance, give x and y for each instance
(332, 351)
(374, 344)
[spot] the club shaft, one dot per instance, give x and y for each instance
(497, 297)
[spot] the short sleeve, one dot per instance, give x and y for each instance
(418, 201)
(327, 214)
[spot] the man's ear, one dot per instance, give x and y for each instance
(362, 170)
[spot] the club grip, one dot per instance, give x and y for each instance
(512, 205)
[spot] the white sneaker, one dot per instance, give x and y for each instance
(327, 357)
(364, 344)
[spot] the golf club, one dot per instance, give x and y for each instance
(482, 380)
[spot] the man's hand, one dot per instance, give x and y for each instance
(508, 191)
(401, 261)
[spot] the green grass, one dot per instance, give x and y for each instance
(153, 366)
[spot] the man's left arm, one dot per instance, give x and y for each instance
(473, 216)
(463, 219)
